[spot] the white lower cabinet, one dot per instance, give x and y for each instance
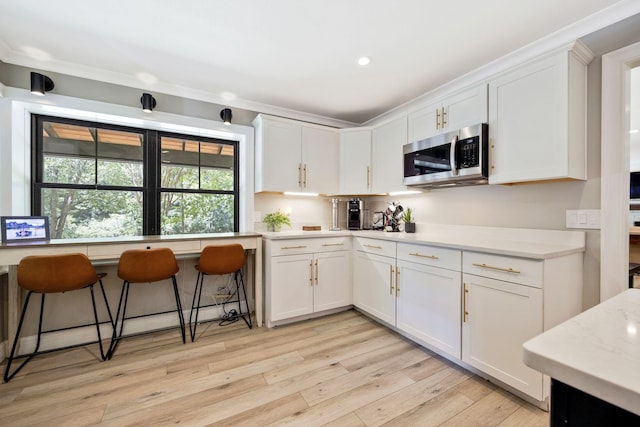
(428, 305)
(306, 276)
(499, 317)
(374, 285)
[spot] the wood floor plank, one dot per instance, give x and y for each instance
(395, 404)
(341, 405)
(340, 370)
(353, 379)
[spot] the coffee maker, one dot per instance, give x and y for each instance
(355, 214)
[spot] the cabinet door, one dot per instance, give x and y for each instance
(374, 285)
(428, 305)
(320, 148)
(425, 122)
(279, 156)
(291, 286)
(532, 125)
(386, 156)
(466, 108)
(355, 162)
(332, 279)
(500, 317)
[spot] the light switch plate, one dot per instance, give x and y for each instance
(583, 218)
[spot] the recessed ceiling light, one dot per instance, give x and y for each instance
(364, 60)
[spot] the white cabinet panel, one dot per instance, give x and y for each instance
(295, 156)
(428, 305)
(374, 285)
(355, 161)
(459, 110)
(386, 156)
(332, 280)
(290, 286)
(537, 121)
(499, 318)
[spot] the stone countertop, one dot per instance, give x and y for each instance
(597, 351)
(519, 242)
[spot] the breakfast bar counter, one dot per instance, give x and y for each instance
(108, 250)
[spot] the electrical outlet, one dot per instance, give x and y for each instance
(583, 218)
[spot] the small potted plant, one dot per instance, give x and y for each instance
(274, 220)
(409, 225)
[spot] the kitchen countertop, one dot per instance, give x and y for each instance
(519, 242)
(597, 351)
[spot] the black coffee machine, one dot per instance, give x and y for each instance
(355, 214)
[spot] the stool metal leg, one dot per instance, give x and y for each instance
(179, 307)
(246, 302)
(7, 376)
(197, 294)
(115, 338)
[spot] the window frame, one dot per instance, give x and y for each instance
(151, 159)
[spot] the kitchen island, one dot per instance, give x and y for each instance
(594, 362)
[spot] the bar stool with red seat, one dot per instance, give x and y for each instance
(221, 260)
(49, 274)
(145, 266)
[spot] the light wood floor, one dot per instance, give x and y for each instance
(341, 370)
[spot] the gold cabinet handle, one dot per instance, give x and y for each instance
(368, 176)
(333, 244)
(299, 174)
(492, 153)
(424, 256)
(390, 279)
(311, 272)
(491, 267)
(437, 118)
(294, 247)
(304, 181)
(372, 246)
(397, 280)
(316, 272)
(444, 114)
(465, 313)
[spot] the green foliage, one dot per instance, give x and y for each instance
(75, 213)
(408, 216)
(275, 220)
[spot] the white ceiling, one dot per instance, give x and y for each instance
(264, 56)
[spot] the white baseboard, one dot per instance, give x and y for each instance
(85, 334)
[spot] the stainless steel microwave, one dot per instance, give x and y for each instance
(452, 159)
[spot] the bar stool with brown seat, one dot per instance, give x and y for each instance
(221, 260)
(145, 266)
(49, 274)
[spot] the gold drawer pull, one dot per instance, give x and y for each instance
(333, 244)
(294, 247)
(373, 246)
(491, 267)
(424, 256)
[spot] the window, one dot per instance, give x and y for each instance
(97, 180)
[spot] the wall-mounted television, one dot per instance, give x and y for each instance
(24, 228)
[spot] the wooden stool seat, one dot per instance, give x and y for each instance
(47, 274)
(145, 266)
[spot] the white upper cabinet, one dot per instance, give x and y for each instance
(537, 119)
(386, 156)
(355, 161)
(295, 156)
(462, 109)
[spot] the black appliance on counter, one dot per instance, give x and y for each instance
(355, 214)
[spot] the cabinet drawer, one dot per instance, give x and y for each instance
(516, 270)
(310, 245)
(375, 246)
(430, 255)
